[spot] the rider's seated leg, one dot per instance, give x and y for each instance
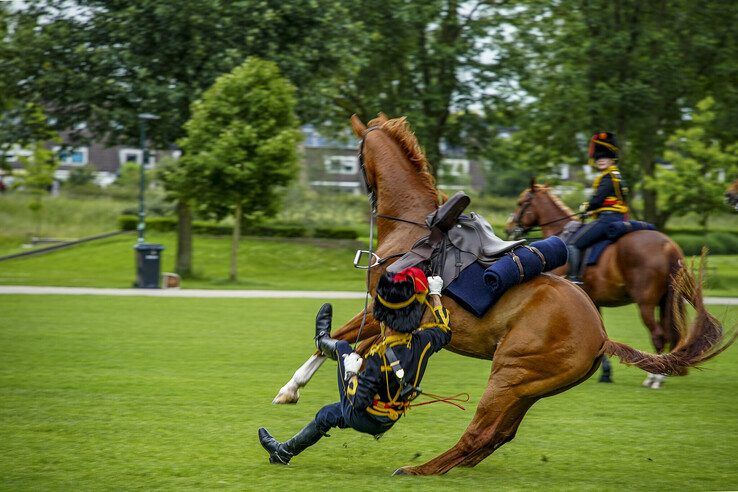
(575, 257)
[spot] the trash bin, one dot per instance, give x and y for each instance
(148, 261)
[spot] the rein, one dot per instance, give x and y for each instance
(372, 259)
(520, 229)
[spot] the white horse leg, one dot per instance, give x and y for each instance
(649, 380)
(658, 381)
(290, 392)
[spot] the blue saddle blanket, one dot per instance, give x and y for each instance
(620, 228)
(476, 289)
(615, 230)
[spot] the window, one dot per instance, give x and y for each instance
(72, 157)
(130, 155)
(341, 164)
(135, 156)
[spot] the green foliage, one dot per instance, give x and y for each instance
(336, 232)
(630, 67)
(718, 243)
(241, 141)
(80, 176)
(195, 42)
(695, 182)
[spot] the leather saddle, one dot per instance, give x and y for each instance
(455, 241)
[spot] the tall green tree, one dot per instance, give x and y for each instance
(94, 65)
(425, 60)
(632, 67)
(699, 165)
(241, 144)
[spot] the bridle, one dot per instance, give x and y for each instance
(372, 259)
(520, 230)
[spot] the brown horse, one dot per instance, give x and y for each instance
(545, 336)
(637, 268)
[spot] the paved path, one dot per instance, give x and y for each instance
(274, 294)
(244, 294)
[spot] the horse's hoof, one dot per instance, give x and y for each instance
(286, 398)
(605, 379)
(405, 470)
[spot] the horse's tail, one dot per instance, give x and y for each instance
(698, 343)
(671, 307)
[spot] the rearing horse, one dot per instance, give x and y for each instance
(545, 336)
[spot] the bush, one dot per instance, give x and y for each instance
(336, 232)
(161, 224)
(127, 222)
(719, 243)
(211, 229)
(277, 230)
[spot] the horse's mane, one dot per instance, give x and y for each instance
(554, 198)
(398, 129)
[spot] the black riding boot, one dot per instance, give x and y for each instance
(575, 256)
(323, 340)
(280, 453)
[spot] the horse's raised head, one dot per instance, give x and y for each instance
(357, 126)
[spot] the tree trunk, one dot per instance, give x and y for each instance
(184, 239)
(234, 242)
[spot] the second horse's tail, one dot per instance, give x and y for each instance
(698, 342)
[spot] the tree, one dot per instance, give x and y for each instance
(699, 166)
(424, 60)
(38, 177)
(632, 67)
(94, 65)
(241, 144)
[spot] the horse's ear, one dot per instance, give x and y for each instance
(382, 117)
(533, 183)
(357, 126)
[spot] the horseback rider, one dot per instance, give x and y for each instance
(373, 399)
(608, 203)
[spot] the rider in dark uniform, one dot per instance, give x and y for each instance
(373, 399)
(608, 203)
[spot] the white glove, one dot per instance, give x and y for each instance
(435, 285)
(352, 363)
(583, 207)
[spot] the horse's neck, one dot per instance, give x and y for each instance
(403, 197)
(550, 212)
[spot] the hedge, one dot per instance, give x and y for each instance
(719, 243)
(166, 224)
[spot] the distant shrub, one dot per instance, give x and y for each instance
(161, 224)
(336, 232)
(277, 230)
(211, 229)
(719, 243)
(127, 222)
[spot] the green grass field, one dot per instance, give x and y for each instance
(141, 393)
(263, 264)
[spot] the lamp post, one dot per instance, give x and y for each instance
(143, 119)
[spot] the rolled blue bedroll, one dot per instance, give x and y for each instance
(477, 289)
(620, 228)
(505, 272)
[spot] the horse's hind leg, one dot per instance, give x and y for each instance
(537, 361)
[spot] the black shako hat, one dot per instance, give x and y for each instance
(603, 145)
(400, 299)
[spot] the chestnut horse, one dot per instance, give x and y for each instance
(545, 336)
(638, 267)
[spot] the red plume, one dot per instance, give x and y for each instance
(420, 281)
